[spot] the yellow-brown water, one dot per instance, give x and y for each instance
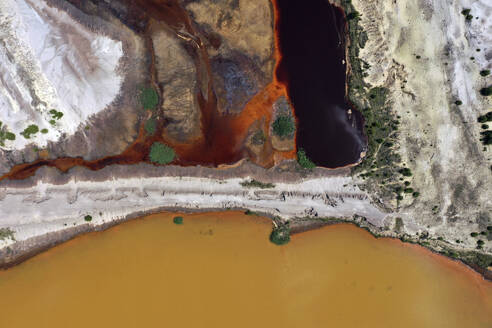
(220, 270)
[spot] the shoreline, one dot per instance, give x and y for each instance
(21, 251)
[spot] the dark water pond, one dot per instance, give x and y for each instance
(312, 43)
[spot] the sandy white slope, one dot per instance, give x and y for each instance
(50, 61)
(49, 208)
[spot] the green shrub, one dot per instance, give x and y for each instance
(485, 118)
(469, 17)
(6, 233)
(284, 126)
(88, 218)
(465, 11)
(149, 98)
(56, 115)
(44, 131)
(486, 137)
(486, 91)
(489, 228)
(280, 235)
(161, 154)
(353, 15)
(29, 131)
(150, 126)
(256, 184)
(178, 220)
(303, 160)
(485, 72)
(480, 242)
(415, 194)
(474, 234)
(458, 102)
(485, 126)
(5, 134)
(405, 171)
(408, 190)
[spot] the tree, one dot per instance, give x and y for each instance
(284, 126)
(161, 154)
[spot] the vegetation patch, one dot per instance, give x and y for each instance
(178, 220)
(150, 126)
(30, 131)
(6, 233)
(5, 134)
(149, 98)
(56, 115)
(486, 91)
(280, 234)
(256, 184)
(44, 131)
(303, 160)
(284, 126)
(485, 118)
(486, 137)
(88, 218)
(485, 72)
(161, 154)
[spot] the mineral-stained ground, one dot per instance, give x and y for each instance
(89, 88)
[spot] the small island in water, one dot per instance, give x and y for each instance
(260, 146)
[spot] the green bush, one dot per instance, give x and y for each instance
(485, 118)
(405, 171)
(150, 126)
(353, 15)
(480, 242)
(303, 160)
(178, 220)
(149, 98)
(474, 234)
(29, 131)
(88, 218)
(458, 102)
(465, 11)
(486, 91)
(485, 72)
(161, 154)
(5, 135)
(486, 137)
(284, 126)
(44, 131)
(6, 233)
(280, 235)
(56, 115)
